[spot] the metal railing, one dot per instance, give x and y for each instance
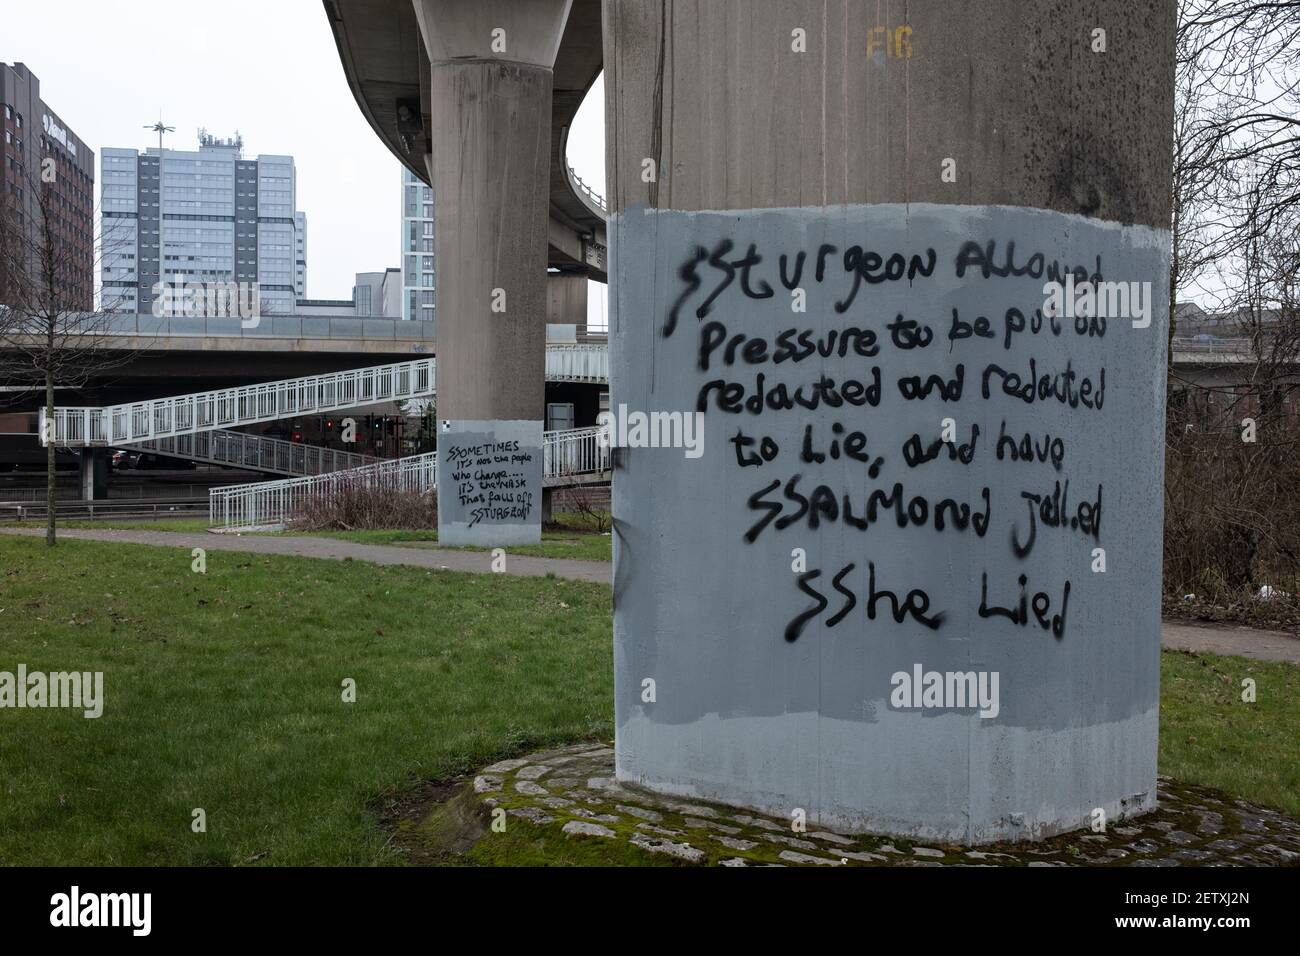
(576, 451)
(266, 504)
(72, 492)
(255, 452)
(304, 325)
(594, 198)
(136, 422)
(91, 510)
(577, 363)
(269, 503)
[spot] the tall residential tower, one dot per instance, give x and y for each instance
(204, 216)
(417, 249)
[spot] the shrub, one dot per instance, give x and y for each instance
(352, 504)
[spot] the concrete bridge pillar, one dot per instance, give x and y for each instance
(567, 300)
(93, 473)
(490, 99)
(909, 581)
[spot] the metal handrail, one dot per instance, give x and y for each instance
(587, 362)
(596, 198)
(575, 451)
(269, 503)
(255, 452)
(265, 504)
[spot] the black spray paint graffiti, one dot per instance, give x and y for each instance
(843, 381)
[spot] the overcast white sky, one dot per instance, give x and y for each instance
(267, 68)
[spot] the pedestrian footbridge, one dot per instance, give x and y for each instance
(134, 423)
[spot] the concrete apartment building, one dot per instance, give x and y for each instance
(417, 250)
(375, 294)
(32, 133)
(201, 216)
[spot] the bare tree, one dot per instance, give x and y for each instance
(1244, 58)
(1197, 216)
(1232, 473)
(51, 333)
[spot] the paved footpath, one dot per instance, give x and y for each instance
(1228, 639)
(1241, 641)
(333, 548)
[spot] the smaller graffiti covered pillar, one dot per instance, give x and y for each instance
(909, 262)
(490, 104)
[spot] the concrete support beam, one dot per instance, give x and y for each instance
(93, 474)
(849, 598)
(566, 300)
(490, 107)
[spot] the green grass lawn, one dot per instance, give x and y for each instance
(223, 691)
(125, 524)
(1208, 735)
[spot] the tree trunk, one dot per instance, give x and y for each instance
(50, 470)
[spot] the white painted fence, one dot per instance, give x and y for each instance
(270, 503)
(264, 504)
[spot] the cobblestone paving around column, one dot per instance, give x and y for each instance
(572, 791)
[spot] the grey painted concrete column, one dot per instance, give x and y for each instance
(93, 473)
(490, 103)
(910, 580)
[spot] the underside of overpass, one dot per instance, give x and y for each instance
(388, 70)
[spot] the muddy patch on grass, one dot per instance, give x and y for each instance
(434, 824)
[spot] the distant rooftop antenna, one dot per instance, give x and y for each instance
(235, 142)
(159, 128)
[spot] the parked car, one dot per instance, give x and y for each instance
(125, 459)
